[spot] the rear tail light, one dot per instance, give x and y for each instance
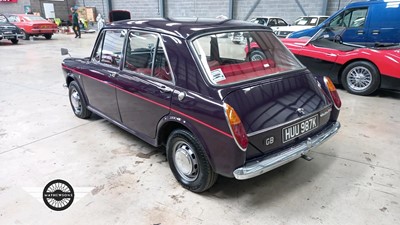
(35, 27)
(236, 127)
(333, 92)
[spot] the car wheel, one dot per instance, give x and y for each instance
(14, 41)
(361, 78)
(188, 162)
(25, 35)
(257, 55)
(48, 36)
(78, 102)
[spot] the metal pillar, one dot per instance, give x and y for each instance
(161, 8)
(252, 9)
(324, 7)
(301, 7)
(230, 12)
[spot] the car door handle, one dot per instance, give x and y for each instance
(360, 32)
(165, 89)
(375, 32)
(113, 74)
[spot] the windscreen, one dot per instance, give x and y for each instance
(240, 56)
(34, 18)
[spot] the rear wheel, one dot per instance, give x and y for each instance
(25, 35)
(14, 41)
(361, 78)
(188, 162)
(48, 36)
(78, 102)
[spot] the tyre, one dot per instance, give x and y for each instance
(361, 78)
(257, 55)
(48, 36)
(188, 162)
(78, 102)
(25, 35)
(14, 41)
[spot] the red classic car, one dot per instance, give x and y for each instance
(32, 25)
(359, 69)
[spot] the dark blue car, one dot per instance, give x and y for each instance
(217, 110)
(367, 23)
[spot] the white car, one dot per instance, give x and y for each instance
(272, 22)
(300, 23)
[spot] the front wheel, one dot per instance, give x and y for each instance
(78, 102)
(25, 35)
(14, 41)
(361, 78)
(188, 162)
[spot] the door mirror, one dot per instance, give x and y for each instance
(64, 51)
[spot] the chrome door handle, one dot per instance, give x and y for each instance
(360, 32)
(113, 74)
(375, 32)
(165, 89)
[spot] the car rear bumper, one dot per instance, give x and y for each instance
(253, 169)
(44, 31)
(10, 36)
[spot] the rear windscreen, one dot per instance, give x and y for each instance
(239, 56)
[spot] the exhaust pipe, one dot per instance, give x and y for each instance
(306, 157)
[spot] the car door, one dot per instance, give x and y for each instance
(145, 85)
(355, 21)
(318, 60)
(103, 69)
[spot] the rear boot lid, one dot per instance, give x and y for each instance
(279, 111)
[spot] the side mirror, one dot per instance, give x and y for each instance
(64, 51)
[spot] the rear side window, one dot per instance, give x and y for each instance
(113, 43)
(248, 55)
(145, 55)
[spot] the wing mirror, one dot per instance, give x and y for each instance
(64, 51)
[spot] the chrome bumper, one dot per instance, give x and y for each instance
(253, 169)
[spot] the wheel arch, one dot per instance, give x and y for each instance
(169, 123)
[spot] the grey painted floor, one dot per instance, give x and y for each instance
(353, 179)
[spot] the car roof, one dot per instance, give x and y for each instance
(185, 27)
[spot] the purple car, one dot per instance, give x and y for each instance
(184, 85)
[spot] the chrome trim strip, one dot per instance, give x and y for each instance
(269, 163)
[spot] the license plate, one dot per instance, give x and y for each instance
(8, 32)
(295, 130)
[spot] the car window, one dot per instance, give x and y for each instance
(3, 19)
(97, 52)
(145, 55)
(111, 52)
(281, 22)
(13, 18)
(350, 18)
(321, 19)
(227, 61)
(272, 22)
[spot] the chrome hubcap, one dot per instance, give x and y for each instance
(76, 101)
(359, 78)
(257, 57)
(185, 161)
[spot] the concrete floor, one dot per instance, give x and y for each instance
(353, 179)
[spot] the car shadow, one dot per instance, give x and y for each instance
(273, 185)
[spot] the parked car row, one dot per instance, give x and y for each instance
(14, 26)
(282, 29)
